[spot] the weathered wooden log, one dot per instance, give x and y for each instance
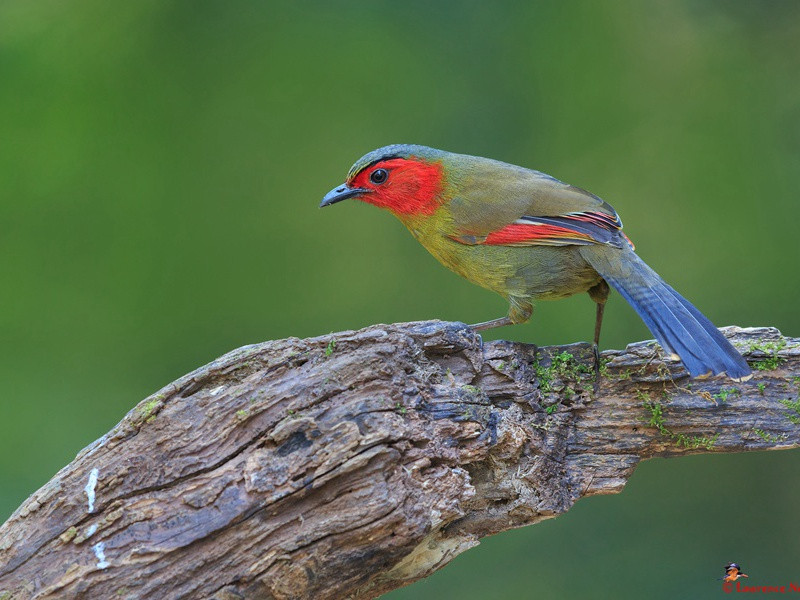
(354, 463)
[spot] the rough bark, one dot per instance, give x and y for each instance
(355, 463)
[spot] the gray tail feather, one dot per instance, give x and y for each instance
(674, 321)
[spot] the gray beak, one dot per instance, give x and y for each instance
(343, 192)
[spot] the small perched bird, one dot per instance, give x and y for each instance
(733, 572)
(529, 236)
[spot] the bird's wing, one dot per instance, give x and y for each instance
(567, 230)
(512, 206)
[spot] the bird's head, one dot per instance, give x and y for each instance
(405, 179)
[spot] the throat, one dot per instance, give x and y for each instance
(426, 228)
(433, 233)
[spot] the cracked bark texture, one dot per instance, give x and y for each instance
(351, 464)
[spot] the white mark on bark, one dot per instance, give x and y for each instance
(89, 489)
(99, 551)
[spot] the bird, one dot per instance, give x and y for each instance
(529, 236)
(733, 572)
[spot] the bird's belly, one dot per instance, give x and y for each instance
(536, 272)
(552, 272)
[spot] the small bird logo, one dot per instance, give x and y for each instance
(733, 572)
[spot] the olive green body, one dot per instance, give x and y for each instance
(484, 195)
(519, 274)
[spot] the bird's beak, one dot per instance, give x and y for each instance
(343, 192)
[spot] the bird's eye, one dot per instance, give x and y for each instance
(378, 176)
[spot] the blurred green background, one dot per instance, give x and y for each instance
(161, 163)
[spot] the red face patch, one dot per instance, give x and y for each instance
(411, 187)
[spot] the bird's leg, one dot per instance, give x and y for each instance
(598, 293)
(519, 311)
(598, 322)
(501, 322)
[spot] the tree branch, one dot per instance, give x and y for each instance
(358, 462)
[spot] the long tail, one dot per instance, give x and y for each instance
(678, 326)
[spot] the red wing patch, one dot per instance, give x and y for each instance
(518, 234)
(573, 229)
